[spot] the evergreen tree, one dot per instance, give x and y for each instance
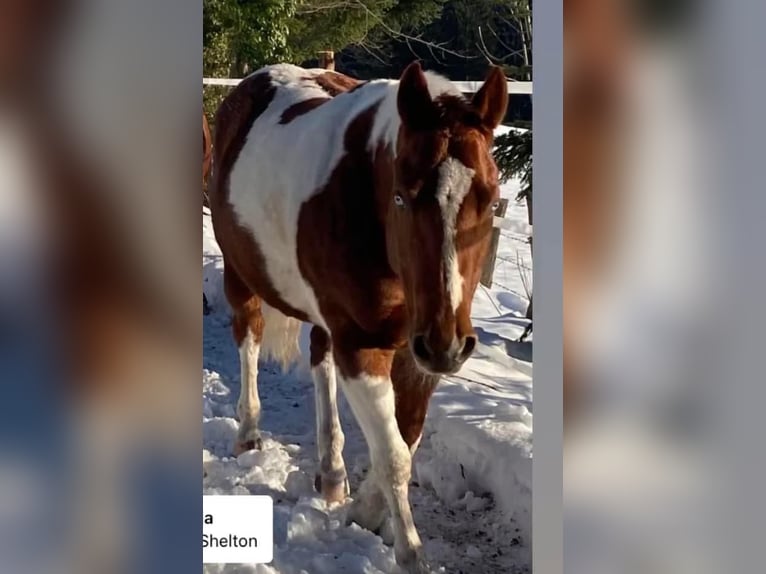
(513, 154)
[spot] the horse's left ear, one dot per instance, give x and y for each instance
(491, 100)
(416, 108)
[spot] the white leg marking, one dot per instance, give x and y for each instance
(249, 405)
(372, 400)
(454, 184)
(330, 438)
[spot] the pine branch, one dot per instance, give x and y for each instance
(513, 154)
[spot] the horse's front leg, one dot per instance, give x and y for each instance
(366, 382)
(412, 391)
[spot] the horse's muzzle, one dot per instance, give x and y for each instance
(442, 361)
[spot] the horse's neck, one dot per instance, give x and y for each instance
(379, 149)
(381, 145)
(385, 127)
(383, 184)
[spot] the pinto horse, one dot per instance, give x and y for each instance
(365, 209)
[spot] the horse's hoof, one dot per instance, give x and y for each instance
(386, 531)
(330, 489)
(417, 564)
(364, 516)
(247, 445)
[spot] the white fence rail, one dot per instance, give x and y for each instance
(518, 227)
(465, 87)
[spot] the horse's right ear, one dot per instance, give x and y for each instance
(416, 108)
(491, 101)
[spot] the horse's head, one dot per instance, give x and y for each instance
(440, 214)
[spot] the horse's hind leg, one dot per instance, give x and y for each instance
(247, 328)
(331, 481)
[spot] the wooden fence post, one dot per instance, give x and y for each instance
(489, 263)
(327, 60)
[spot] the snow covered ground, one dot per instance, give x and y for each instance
(472, 480)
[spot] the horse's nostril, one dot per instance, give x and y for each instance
(420, 348)
(469, 344)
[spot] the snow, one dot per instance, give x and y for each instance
(471, 489)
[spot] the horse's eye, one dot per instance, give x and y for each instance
(399, 200)
(495, 206)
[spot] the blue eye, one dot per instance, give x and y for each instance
(399, 200)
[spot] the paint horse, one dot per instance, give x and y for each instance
(365, 209)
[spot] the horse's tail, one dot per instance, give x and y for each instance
(281, 336)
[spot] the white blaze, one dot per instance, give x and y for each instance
(454, 184)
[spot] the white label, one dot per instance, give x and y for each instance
(237, 529)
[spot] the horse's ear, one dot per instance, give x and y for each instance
(491, 100)
(416, 108)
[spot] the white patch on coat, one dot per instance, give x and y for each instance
(454, 184)
(281, 166)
